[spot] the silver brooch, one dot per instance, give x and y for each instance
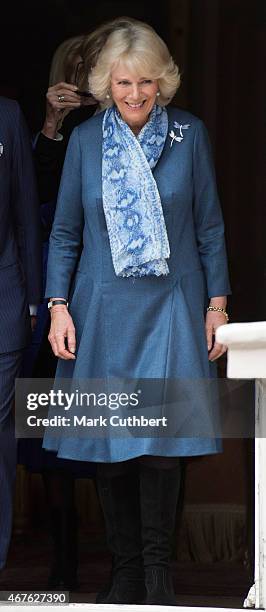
(1, 149)
(180, 127)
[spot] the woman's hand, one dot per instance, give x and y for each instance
(62, 329)
(56, 109)
(213, 321)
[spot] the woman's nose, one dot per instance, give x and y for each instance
(135, 91)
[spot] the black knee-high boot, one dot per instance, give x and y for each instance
(119, 497)
(159, 490)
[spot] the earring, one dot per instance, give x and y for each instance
(107, 97)
(158, 94)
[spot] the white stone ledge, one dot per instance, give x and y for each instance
(84, 607)
(246, 344)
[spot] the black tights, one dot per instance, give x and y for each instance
(111, 470)
(60, 484)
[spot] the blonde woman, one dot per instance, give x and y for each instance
(65, 109)
(137, 249)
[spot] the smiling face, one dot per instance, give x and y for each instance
(134, 96)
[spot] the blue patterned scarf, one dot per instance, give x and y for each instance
(131, 201)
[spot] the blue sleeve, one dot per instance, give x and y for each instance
(208, 218)
(66, 236)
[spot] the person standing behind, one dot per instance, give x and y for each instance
(20, 285)
(61, 99)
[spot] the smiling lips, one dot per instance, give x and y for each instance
(135, 106)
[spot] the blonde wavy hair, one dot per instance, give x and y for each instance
(64, 60)
(139, 47)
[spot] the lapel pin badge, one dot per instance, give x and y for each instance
(180, 137)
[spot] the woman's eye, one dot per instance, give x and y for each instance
(123, 83)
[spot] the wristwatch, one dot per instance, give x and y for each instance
(56, 303)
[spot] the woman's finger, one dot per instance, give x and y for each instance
(65, 96)
(71, 340)
(53, 343)
(209, 336)
(61, 105)
(63, 352)
(62, 329)
(63, 86)
(66, 106)
(217, 351)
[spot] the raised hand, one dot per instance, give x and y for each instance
(60, 100)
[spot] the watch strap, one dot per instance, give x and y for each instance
(57, 303)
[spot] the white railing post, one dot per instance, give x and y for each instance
(246, 344)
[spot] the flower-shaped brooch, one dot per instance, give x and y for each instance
(174, 136)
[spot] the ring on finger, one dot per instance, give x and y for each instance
(61, 98)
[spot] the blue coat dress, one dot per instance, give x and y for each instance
(149, 327)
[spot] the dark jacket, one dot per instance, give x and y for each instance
(20, 239)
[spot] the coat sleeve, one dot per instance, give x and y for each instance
(49, 158)
(66, 236)
(25, 207)
(208, 218)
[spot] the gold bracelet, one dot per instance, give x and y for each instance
(218, 309)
